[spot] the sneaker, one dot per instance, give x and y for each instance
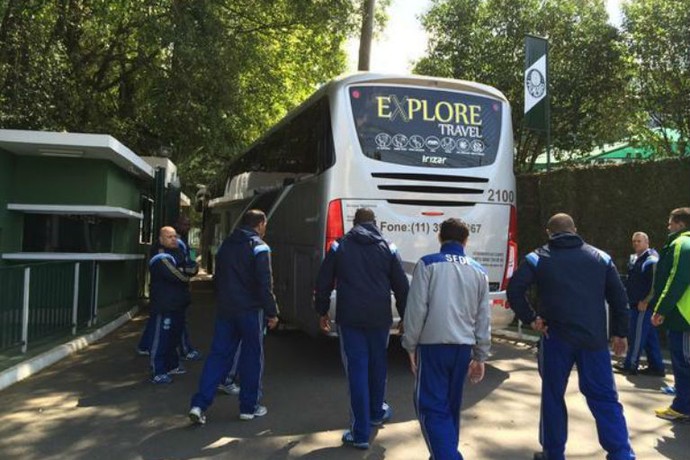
(161, 379)
(259, 411)
(387, 414)
(179, 370)
(229, 388)
(672, 415)
(142, 352)
(653, 372)
(668, 390)
(624, 370)
(349, 439)
(196, 416)
(194, 355)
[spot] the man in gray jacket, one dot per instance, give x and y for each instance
(447, 333)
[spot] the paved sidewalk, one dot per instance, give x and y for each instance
(99, 404)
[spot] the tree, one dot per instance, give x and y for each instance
(483, 40)
(658, 34)
(205, 78)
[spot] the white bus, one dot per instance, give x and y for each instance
(416, 150)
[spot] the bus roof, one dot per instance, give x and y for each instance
(379, 78)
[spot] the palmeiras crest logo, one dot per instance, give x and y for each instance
(535, 83)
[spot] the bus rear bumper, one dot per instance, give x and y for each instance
(501, 314)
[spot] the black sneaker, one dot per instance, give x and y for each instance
(653, 372)
(624, 370)
(349, 440)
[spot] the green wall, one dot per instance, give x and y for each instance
(71, 181)
(10, 222)
(61, 181)
(119, 281)
(122, 190)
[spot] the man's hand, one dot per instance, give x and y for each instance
(540, 326)
(476, 372)
(642, 305)
(413, 362)
(401, 327)
(325, 323)
(657, 319)
(272, 322)
(619, 345)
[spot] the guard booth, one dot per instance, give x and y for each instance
(77, 216)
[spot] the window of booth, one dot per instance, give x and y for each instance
(66, 233)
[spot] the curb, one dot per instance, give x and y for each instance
(32, 366)
(505, 334)
(525, 338)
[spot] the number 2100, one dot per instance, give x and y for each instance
(501, 196)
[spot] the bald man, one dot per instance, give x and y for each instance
(642, 335)
(169, 296)
(574, 282)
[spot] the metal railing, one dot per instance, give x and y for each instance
(44, 300)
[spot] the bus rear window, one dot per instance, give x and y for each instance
(423, 127)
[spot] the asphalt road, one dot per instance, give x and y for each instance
(98, 404)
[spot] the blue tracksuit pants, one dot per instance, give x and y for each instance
(149, 330)
(166, 338)
(363, 351)
(246, 328)
(441, 371)
(679, 344)
(643, 336)
(234, 373)
(147, 336)
(595, 378)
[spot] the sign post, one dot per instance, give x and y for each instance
(536, 82)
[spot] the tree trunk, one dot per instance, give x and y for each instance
(367, 32)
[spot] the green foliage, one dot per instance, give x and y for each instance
(205, 78)
(608, 203)
(658, 34)
(483, 40)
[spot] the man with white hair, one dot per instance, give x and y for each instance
(642, 335)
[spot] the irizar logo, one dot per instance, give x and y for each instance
(434, 160)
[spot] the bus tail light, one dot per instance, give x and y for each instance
(334, 223)
(512, 250)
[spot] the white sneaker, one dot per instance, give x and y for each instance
(229, 389)
(260, 411)
(196, 416)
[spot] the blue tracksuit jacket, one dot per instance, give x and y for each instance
(243, 278)
(366, 268)
(640, 277)
(574, 281)
(169, 285)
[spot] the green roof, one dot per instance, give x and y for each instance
(615, 153)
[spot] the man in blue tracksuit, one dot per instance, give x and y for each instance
(187, 351)
(244, 300)
(189, 267)
(447, 334)
(574, 282)
(169, 297)
(365, 268)
(642, 335)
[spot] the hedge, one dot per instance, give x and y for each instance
(609, 203)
